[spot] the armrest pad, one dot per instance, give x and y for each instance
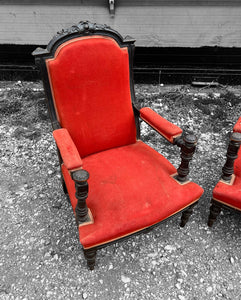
(67, 148)
(161, 125)
(237, 126)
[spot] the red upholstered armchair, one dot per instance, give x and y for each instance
(116, 183)
(227, 192)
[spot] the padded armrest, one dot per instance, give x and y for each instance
(167, 129)
(67, 148)
(237, 126)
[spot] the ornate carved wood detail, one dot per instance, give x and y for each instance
(83, 27)
(215, 210)
(188, 146)
(186, 214)
(232, 154)
(80, 178)
(90, 255)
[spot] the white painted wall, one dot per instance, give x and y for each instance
(151, 25)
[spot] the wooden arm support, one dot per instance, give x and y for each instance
(173, 134)
(67, 149)
(82, 213)
(188, 146)
(232, 154)
(167, 129)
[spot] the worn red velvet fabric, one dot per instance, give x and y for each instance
(93, 73)
(67, 148)
(164, 127)
(130, 188)
(237, 126)
(237, 163)
(231, 194)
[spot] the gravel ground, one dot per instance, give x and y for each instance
(41, 257)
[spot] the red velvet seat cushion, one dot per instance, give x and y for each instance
(230, 194)
(130, 188)
(90, 83)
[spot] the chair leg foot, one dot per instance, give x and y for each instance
(215, 210)
(186, 215)
(90, 255)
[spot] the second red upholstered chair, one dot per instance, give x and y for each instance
(227, 192)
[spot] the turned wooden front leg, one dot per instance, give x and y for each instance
(188, 146)
(81, 210)
(232, 154)
(215, 210)
(90, 255)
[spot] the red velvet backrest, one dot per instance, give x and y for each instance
(90, 83)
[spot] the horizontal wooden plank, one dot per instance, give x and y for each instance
(152, 26)
(55, 2)
(126, 3)
(178, 3)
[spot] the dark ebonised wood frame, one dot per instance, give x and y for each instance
(227, 174)
(187, 144)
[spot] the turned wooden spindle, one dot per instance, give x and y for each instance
(188, 146)
(232, 154)
(80, 178)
